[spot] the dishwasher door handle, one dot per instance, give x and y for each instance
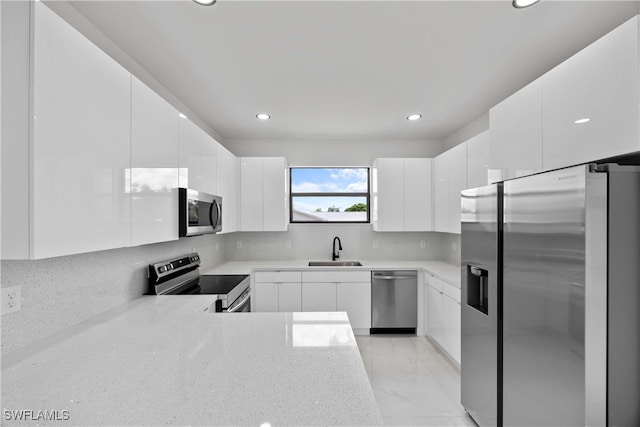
(393, 277)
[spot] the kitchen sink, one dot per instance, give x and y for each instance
(335, 264)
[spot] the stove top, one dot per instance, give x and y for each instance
(218, 284)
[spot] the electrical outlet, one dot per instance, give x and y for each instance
(239, 244)
(423, 244)
(375, 244)
(11, 299)
(287, 244)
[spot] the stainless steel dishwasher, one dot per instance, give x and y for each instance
(394, 301)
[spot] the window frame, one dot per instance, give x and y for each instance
(366, 195)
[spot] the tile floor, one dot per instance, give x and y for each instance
(413, 383)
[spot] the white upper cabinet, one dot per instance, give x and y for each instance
(154, 167)
(516, 134)
(209, 165)
(600, 83)
(388, 195)
(457, 183)
(228, 188)
(417, 195)
(81, 143)
(263, 194)
(402, 194)
(440, 192)
(274, 187)
(478, 156)
(449, 179)
(190, 154)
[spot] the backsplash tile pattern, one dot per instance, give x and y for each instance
(58, 293)
(314, 242)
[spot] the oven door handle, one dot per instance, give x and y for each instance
(240, 304)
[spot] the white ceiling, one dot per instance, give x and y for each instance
(348, 69)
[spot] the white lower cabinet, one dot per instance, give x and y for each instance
(290, 291)
(442, 317)
(289, 297)
(435, 314)
(275, 291)
(265, 297)
(451, 326)
(320, 296)
(355, 299)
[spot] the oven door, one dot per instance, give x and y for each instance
(242, 304)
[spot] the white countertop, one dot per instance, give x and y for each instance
(165, 361)
(448, 272)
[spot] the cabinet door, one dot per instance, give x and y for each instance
(251, 194)
(417, 195)
(355, 299)
(457, 181)
(600, 83)
(265, 297)
(154, 167)
(389, 200)
(190, 155)
(289, 297)
(274, 194)
(435, 314)
(318, 297)
(440, 192)
(478, 156)
(209, 164)
(516, 133)
(228, 189)
(81, 143)
(425, 309)
(451, 325)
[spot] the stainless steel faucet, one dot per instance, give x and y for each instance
(335, 253)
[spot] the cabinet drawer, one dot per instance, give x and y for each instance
(451, 291)
(336, 276)
(277, 276)
(433, 281)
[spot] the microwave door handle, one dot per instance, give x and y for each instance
(211, 219)
(217, 207)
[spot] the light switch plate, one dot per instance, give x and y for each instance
(11, 299)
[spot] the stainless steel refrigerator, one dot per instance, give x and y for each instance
(551, 299)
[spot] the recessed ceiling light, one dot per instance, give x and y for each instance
(521, 4)
(413, 117)
(580, 121)
(263, 116)
(182, 115)
(204, 2)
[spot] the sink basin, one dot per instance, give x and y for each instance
(335, 264)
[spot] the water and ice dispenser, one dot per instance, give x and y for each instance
(478, 288)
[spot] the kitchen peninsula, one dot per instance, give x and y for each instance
(168, 360)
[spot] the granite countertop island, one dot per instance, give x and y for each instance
(167, 360)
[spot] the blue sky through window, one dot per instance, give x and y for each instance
(325, 182)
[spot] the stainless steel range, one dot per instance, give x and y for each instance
(181, 276)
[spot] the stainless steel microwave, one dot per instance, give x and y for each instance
(198, 212)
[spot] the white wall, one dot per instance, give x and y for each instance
(334, 152)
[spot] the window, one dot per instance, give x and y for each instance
(329, 195)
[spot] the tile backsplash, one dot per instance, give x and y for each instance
(359, 242)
